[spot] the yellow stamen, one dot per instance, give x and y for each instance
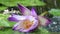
(27, 24)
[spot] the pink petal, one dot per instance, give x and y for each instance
(18, 26)
(43, 21)
(16, 18)
(24, 10)
(33, 13)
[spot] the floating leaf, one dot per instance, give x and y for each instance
(4, 22)
(3, 8)
(55, 12)
(44, 31)
(10, 3)
(6, 31)
(23, 2)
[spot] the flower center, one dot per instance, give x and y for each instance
(27, 24)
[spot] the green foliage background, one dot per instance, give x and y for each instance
(8, 25)
(9, 3)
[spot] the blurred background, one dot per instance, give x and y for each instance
(8, 7)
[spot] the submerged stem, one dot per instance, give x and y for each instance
(44, 13)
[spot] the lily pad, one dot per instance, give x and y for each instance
(4, 21)
(3, 8)
(23, 2)
(7, 31)
(55, 12)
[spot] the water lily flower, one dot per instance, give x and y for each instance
(28, 21)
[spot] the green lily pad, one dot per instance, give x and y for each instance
(4, 21)
(7, 31)
(23, 2)
(44, 31)
(3, 8)
(55, 12)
